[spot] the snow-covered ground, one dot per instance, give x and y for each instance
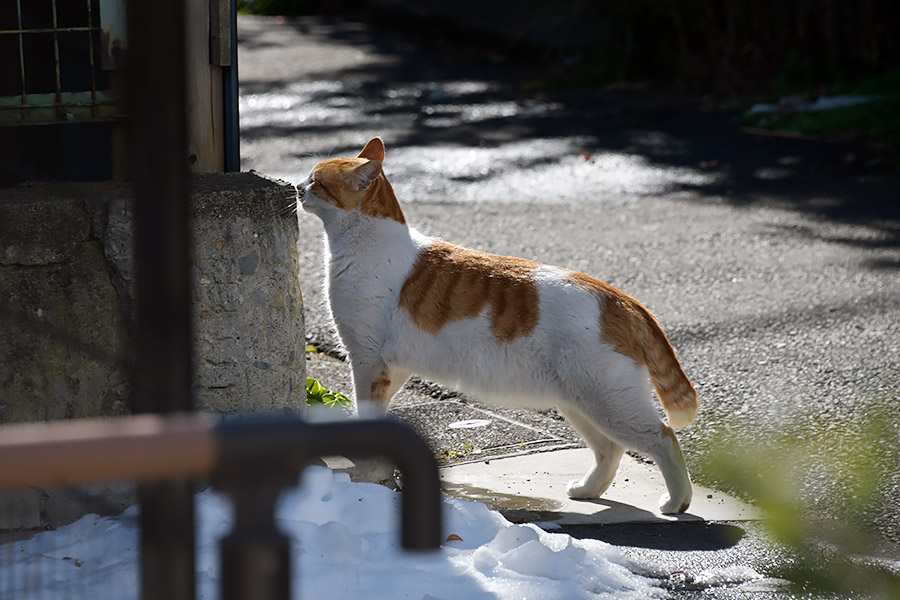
(346, 545)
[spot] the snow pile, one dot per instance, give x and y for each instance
(95, 557)
(346, 545)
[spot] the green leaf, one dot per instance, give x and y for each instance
(313, 388)
(318, 394)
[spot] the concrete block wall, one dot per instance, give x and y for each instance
(66, 310)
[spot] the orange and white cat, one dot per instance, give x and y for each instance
(505, 329)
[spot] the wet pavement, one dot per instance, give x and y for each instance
(773, 264)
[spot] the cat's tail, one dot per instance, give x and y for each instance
(674, 389)
(635, 333)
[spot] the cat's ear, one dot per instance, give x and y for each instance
(363, 176)
(374, 150)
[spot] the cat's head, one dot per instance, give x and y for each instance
(339, 186)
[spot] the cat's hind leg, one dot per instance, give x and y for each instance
(658, 440)
(629, 418)
(671, 462)
(607, 455)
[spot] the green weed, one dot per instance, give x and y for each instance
(317, 394)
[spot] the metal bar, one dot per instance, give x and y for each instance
(255, 555)
(162, 371)
(60, 113)
(21, 52)
(90, 21)
(113, 120)
(44, 109)
(61, 103)
(238, 454)
(138, 448)
(248, 448)
(256, 461)
(230, 95)
(119, 131)
(157, 98)
(47, 30)
(167, 541)
(68, 99)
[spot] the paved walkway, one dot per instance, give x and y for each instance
(773, 265)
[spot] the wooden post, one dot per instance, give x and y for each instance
(206, 126)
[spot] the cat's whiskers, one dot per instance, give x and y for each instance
(288, 209)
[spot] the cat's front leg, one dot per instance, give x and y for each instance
(374, 384)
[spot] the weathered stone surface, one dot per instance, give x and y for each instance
(249, 323)
(61, 347)
(67, 280)
(66, 303)
(41, 224)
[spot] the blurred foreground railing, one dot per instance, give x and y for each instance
(252, 461)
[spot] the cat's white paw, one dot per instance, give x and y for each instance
(668, 506)
(577, 490)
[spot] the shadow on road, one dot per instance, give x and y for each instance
(691, 535)
(424, 91)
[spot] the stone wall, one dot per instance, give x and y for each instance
(66, 305)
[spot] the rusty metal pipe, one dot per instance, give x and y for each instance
(255, 458)
(253, 443)
(139, 448)
(149, 448)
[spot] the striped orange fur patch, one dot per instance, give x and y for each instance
(449, 282)
(620, 316)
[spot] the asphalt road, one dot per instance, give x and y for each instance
(773, 264)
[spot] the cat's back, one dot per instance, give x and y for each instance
(448, 283)
(516, 327)
(490, 324)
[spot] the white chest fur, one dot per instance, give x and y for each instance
(366, 264)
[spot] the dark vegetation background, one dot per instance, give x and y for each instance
(726, 46)
(733, 52)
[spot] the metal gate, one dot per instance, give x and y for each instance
(63, 108)
(65, 56)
